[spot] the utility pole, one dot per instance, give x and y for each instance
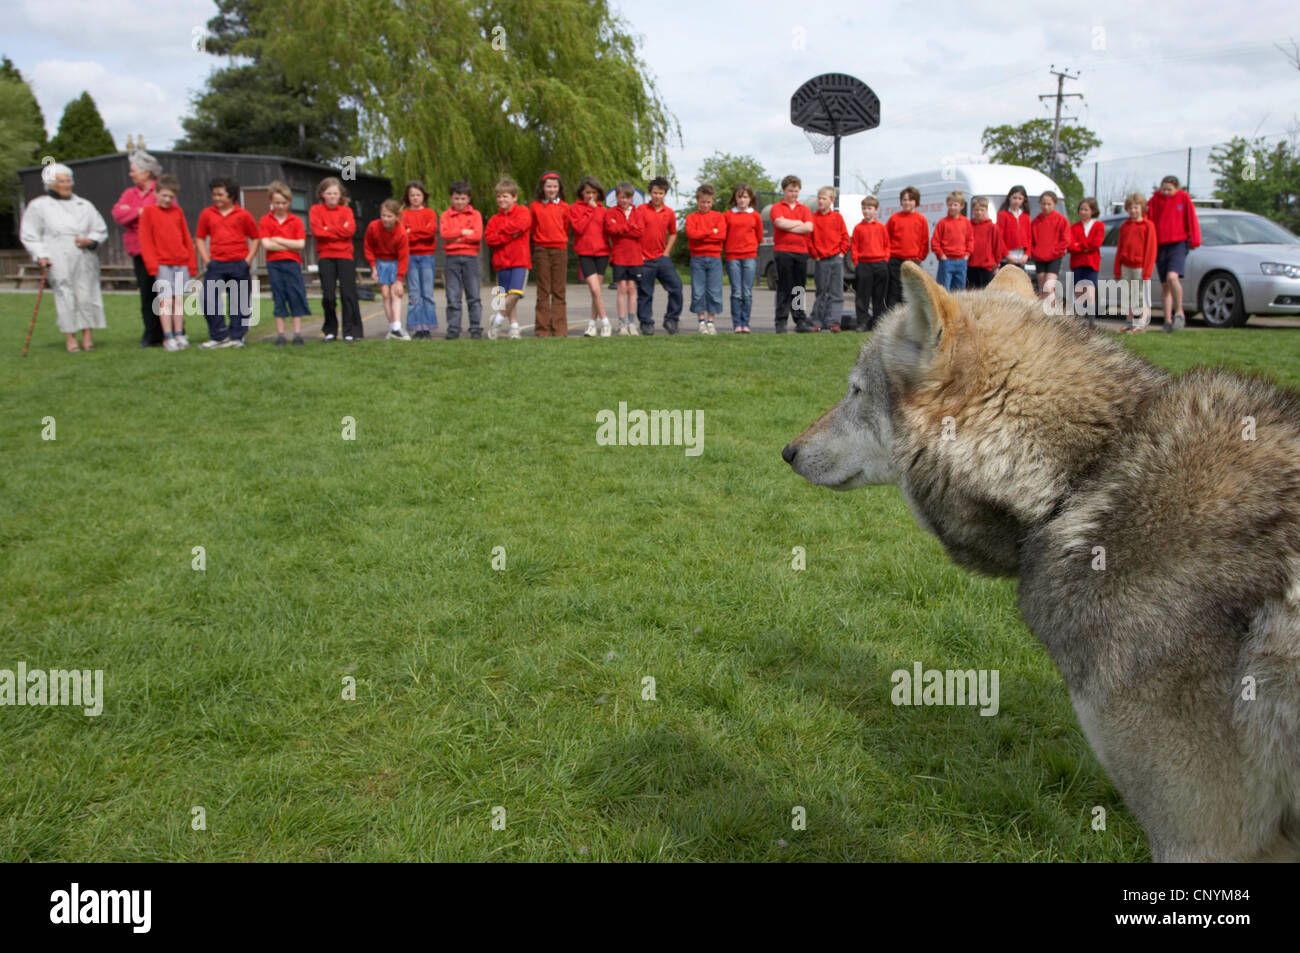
(1059, 95)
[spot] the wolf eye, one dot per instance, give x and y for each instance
(854, 390)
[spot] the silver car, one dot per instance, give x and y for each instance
(1245, 265)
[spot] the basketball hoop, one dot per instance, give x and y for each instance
(821, 143)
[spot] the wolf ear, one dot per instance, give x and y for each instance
(1014, 279)
(932, 324)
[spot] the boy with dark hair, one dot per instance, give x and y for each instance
(791, 227)
(909, 240)
(227, 241)
(658, 233)
(624, 231)
(461, 228)
(1178, 230)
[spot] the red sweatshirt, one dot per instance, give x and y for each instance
(1015, 230)
(705, 233)
(333, 229)
(987, 250)
(744, 234)
(550, 223)
(909, 235)
(1136, 247)
(830, 236)
(589, 237)
(453, 223)
(870, 242)
(624, 231)
(1174, 217)
(165, 238)
(421, 226)
(291, 227)
(789, 241)
(507, 235)
(953, 237)
(229, 232)
(389, 244)
(1085, 248)
(656, 226)
(1050, 235)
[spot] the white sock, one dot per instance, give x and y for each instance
(395, 326)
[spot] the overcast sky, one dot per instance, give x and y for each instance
(1155, 76)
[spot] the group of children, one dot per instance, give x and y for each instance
(637, 240)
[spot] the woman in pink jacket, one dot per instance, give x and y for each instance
(144, 170)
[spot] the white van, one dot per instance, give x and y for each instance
(992, 182)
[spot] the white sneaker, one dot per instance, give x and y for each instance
(632, 329)
(622, 327)
(592, 330)
(711, 329)
(703, 329)
(182, 341)
(514, 332)
(397, 334)
(209, 345)
(169, 344)
(498, 321)
(605, 329)
(330, 337)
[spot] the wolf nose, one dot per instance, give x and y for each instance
(788, 452)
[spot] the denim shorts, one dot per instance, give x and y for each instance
(385, 271)
(287, 289)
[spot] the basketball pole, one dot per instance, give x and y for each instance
(836, 181)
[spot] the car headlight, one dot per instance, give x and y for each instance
(1278, 268)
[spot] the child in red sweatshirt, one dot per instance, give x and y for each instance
(740, 249)
(1049, 235)
(283, 239)
(1135, 258)
(987, 249)
(706, 232)
(829, 242)
(591, 245)
(909, 240)
(1085, 256)
(333, 226)
(168, 254)
(550, 256)
(421, 224)
(507, 235)
(870, 249)
(624, 231)
(954, 241)
(388, 249)
(461, 229)
(1178, 230)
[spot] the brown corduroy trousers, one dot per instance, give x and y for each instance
(550, 268)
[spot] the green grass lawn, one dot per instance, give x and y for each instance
(523, 688)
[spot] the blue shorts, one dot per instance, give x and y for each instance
(1084, 274)
(385, 271)
(287, 289)
(512, 280)
(1171, 257)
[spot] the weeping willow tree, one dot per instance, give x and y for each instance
(458, 89)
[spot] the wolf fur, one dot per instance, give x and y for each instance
(1031, 445)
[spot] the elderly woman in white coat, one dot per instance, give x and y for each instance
(61, 231)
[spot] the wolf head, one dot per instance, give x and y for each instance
(984, 411)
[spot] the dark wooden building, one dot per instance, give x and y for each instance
(102, 179)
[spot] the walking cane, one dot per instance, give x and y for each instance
(35, 310)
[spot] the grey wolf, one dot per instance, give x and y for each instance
(1153, 524)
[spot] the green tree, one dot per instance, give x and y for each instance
(22, 131)
(1256, 178)
(251, 108)
(477, 89)
(1030, 144)
(81, 133)
(724, 172)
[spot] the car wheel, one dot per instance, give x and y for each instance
(769, 276)
(1221, 304)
